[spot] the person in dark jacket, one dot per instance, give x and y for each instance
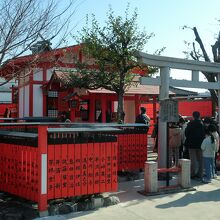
(143, 117)
(195, 133)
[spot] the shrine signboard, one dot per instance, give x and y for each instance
(169, 110)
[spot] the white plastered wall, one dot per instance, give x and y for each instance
(21, 102)
(129, 109)
(38, 74)
(26, 100)
(37, 101)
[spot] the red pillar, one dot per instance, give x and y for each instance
(44, 93)
(31, 94)
(92, 108)
(42, 168)
(103, 107)
(112, 106)
(73, 114)
(45, 103)
(154, 108)
(12, 93)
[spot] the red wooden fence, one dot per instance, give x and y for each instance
(40, 163)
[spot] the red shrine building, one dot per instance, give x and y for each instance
(41, 80)
(42, 93)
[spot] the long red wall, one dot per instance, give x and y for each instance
(186, 108)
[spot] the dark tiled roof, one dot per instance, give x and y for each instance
(139, 90)
(63, 78)
(182, 92)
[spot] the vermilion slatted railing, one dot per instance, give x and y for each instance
(41, 163)
(57, 163)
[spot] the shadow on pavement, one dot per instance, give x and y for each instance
(189, 198)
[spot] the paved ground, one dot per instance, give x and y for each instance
(203, 203)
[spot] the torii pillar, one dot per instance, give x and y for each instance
(162, 126)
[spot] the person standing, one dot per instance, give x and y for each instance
(213, 129)
(208, 152)
(155, 133)
(195, 133)
(174, 144)
(7, 114)
(184, 152)
(143, 117)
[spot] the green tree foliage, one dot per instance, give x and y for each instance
(110, 52)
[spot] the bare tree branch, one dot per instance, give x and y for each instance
(195, 54)
(216, 50)
(23, 22)
(198, 39)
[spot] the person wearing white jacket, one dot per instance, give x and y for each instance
(208, 152)
(213, 129)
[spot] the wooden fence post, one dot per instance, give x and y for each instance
(42, 170)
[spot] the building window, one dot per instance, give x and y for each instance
(52, 94)
(52, 104)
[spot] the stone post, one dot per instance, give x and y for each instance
(184, 175)
(150, 177)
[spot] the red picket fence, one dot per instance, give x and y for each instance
(37, 167)
(132, 151)
(20, 164)
(81, 169)
(19, 170)
(40, 163)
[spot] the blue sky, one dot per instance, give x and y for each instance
(163, 17)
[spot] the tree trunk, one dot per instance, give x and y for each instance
(211, 78)
(215, 50)
(120, 110)
(213, 108)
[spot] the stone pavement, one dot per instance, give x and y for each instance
(202, 203)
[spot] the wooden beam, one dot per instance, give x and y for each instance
(177, 63)
(192, 84)
(181, 83)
